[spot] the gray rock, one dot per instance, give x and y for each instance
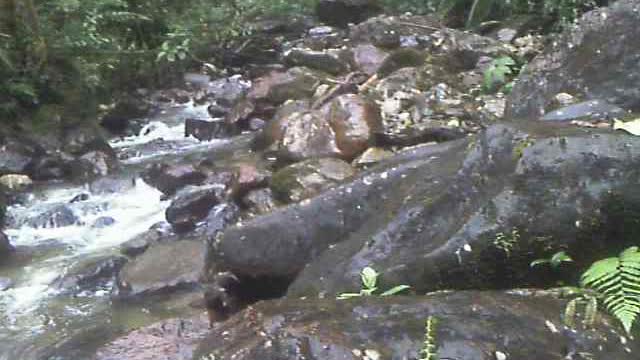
(103, 222)
(171, 178)
(192, 205)
(163, 268)
(354, 121)
(327, 61)
(91, 274)
(58, 216)
(582, 62)
(259, 201)
(587, 110)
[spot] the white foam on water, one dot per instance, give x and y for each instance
(134, 210)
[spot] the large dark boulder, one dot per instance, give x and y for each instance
(459, 325)
(471, 213)
(597, 59)
(343, 12)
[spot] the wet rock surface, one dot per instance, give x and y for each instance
(307, 179)
(580, 64)
(466, 326)
(162, 268)
(169, 340)
(192, 205)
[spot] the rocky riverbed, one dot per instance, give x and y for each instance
(364, 140)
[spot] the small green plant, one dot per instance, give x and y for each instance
(429, 349)
(369, 279)
(506, 242)
(554, 261)
(496, 75)
(616, 280)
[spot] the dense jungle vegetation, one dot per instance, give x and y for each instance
(74, 52)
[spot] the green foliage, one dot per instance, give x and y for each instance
(369, 279)
(617, 281)
(498, 72)
(429, 349)
(507, 241)
(94, 47)
(554, 261)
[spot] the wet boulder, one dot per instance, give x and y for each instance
(307, 179)
(142, 242)
(278, 87)
(163, 268)
(223, 92)
(344, 12)
(455, 325)
(91, 275)
(258, 202)
(354, 120)
(470, 213)
(171, 178)
(596, 110)
(16, 153)
(58, 216)
(219, 218)
(206, 130)
(368, 58)
(390, 32)
(247, 177)
(580, 63)
(330, 61)
(191, 205)
(5, 245)
(324, 37)
(305, 135)
(173, 339)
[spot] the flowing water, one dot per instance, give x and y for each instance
(40, 320)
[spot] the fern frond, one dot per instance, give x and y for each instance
(617, 280)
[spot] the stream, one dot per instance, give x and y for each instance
(39, 320)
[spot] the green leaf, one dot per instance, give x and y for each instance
(369, 277)
(558, 258)
(395, 290)
(535, 263)
(347, 296)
